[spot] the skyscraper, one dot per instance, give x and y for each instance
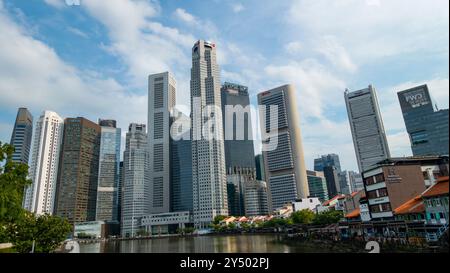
(366, 123)
(48, 135)
(161, 100)
(256, 198)
(427, 127)
(108, 172)
(136, 192)
(260, 171)
(317, 185)
(208, 158)
(21, 136)
(356, 181)
(239, 151)
(181, 168)
(327, 160)
(78, 171)
(285, 165)
(332, 178)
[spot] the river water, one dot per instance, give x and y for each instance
(252, 243)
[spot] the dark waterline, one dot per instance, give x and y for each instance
(266, 243)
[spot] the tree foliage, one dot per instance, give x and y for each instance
(218, 219)
(18, 226)
(46, 231)
(305, 216)
(328, 217)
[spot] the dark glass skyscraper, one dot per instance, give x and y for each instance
(427, 127)
(327, 160)
(21, 136)
(181, 169)
(332, 178)
(239, 151)
(78, 171)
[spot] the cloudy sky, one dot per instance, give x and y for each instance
(93, 60)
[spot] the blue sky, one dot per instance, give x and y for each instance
(93, 60)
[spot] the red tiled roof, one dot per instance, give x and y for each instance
(414, 205)
(339, 196)
(354, 214)
(440, 188)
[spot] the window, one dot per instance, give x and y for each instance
(379, 178)
(419, 137)
(369, 180)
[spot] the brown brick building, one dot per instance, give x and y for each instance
(78, 171)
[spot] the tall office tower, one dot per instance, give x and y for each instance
(237, 179)
(21, 136)
(332, 178)
(327, 160)
(48, 134)
(208, 157)
(284, 166)
(427, 127)
(366, 123)
(344, 182)
(181, 168)
(256, 198)
(260, 171)
(108, 172)
(78, 171)
(317, 185)
(120, 195)
(136, 186)
(356, 181)
(239, 151)
(161, 100)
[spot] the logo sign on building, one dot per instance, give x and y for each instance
(417, 98)
(392, 176)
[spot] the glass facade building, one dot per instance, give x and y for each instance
(317, 185)
(21, 136)
(239, 151)
(427, 127)
(327, 160)
(108, 172)
(136, 192)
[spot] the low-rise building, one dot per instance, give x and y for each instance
(312, 204)
(336, 202)
(164, 223)
(435, 200)
(96, 229)
(393, 181)
(412, 210)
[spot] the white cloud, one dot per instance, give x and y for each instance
(335, 53)
(184, 16)
(370, 30)
(294, 48)
(77, 32)
(59, 87)
(317, 88)
(237, 7)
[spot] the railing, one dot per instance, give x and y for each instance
(435, 236)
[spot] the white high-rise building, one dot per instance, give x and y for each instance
(366, 123)
(48, 135)
(161, 101)
(208, 156)
(135, 198)
(285, 166)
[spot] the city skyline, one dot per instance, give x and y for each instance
(306, 68)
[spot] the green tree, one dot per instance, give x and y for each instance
(218, 219)
(328, 217)
(46, 231)
(18, 226)
(13, 179)
(305, 216)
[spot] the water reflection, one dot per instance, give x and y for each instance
(202, 244)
